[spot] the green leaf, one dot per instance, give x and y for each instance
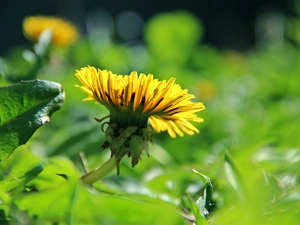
(24, 107)
(16, 184)
(231, 170)
(69, 202)
(55, 203)
(204, 202)
(199, 218)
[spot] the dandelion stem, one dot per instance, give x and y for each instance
(100, 172)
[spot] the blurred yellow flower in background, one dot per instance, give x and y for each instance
(63, 32)
(207, 90)
(132, 101)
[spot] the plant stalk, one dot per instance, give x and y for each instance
(100, 172)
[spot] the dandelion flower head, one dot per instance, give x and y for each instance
(63, 32)
(136, 100)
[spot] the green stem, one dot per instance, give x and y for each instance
(100, 172)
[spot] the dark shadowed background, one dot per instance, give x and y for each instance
(227, 23)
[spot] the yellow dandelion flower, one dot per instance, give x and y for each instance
(63, 32)
(133, 101)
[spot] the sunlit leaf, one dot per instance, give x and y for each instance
(70, 202)
(62, 195)
(24, 107)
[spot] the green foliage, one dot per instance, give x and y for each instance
(172, 37)
(247, 149)
(22, 63)
(25, 107)
(204, 202)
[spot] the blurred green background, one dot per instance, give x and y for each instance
(248, 145)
